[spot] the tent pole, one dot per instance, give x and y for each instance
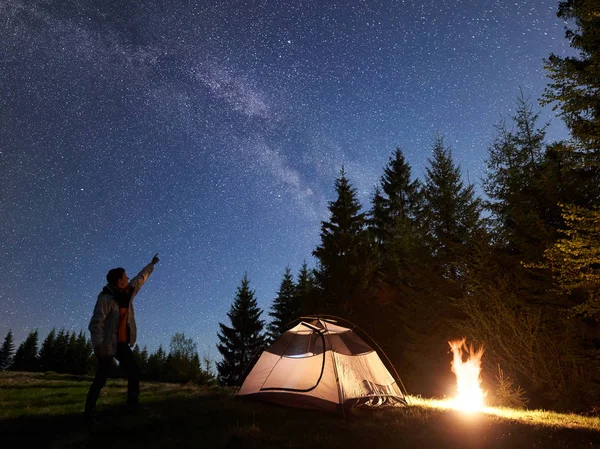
(337, 377)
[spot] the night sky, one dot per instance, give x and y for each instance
(212, 132)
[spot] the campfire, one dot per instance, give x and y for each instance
(469, 395)
(469, 399)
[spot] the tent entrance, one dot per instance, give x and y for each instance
(306, 348)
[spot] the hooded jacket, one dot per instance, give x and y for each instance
(104, 324)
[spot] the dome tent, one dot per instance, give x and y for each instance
(319, 364)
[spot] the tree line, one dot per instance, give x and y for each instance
(72, 353)
(428, 260)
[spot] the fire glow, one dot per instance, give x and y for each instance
(468, 382)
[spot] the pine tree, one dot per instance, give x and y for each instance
(285, 307)
(575, 89)
(71, 359)
(239, 343)
(195, 373)
(345, 260)
(398, 199)
(141, 357)
(7, 351)
(431, 267)
(522, 215)
(144, 360)
(82, 353)
(47, 355)
(60, 347)
(156, 365)
(451, 212)
(566, 179)
(137, 354)
(18, 359)
(393, 217)
(378, 219)
(26, 356)
(305, 294)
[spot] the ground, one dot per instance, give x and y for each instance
(44, 411)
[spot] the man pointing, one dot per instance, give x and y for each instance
(113, 331)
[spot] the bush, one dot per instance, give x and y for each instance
(506, 394)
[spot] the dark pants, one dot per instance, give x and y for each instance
(127, 361)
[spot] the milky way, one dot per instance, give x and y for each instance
(212, 132)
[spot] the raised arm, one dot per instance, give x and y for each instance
(143, 275)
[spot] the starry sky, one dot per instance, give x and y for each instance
(212, 132)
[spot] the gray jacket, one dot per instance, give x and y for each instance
(105, 320)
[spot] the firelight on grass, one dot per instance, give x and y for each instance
(469, 397)
(543, 418)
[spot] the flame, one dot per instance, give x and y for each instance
(469, 393)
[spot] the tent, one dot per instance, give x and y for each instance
(319, 364)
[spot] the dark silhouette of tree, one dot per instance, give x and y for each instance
(182, 364)
(143, 360)
(520, 212)
(306, 293)
(575, 90)
(378, 219)
(82, 354)
(345, 260)
(26, 356)
(66, 352)
(575, 87)
(60, 350)
(47, 356)
(393, 219)
(431, 269)
(156, 365)
(71, 355)
(239, 343)
(7, 351)
(141, 357)
(285, 307)
(397, 199)
(451, 214)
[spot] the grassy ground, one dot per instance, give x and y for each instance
(44, 411)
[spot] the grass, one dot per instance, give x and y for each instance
(543, 418)
(44, 411)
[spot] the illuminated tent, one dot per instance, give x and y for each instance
(319, 364)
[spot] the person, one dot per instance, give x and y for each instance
(113, 332)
